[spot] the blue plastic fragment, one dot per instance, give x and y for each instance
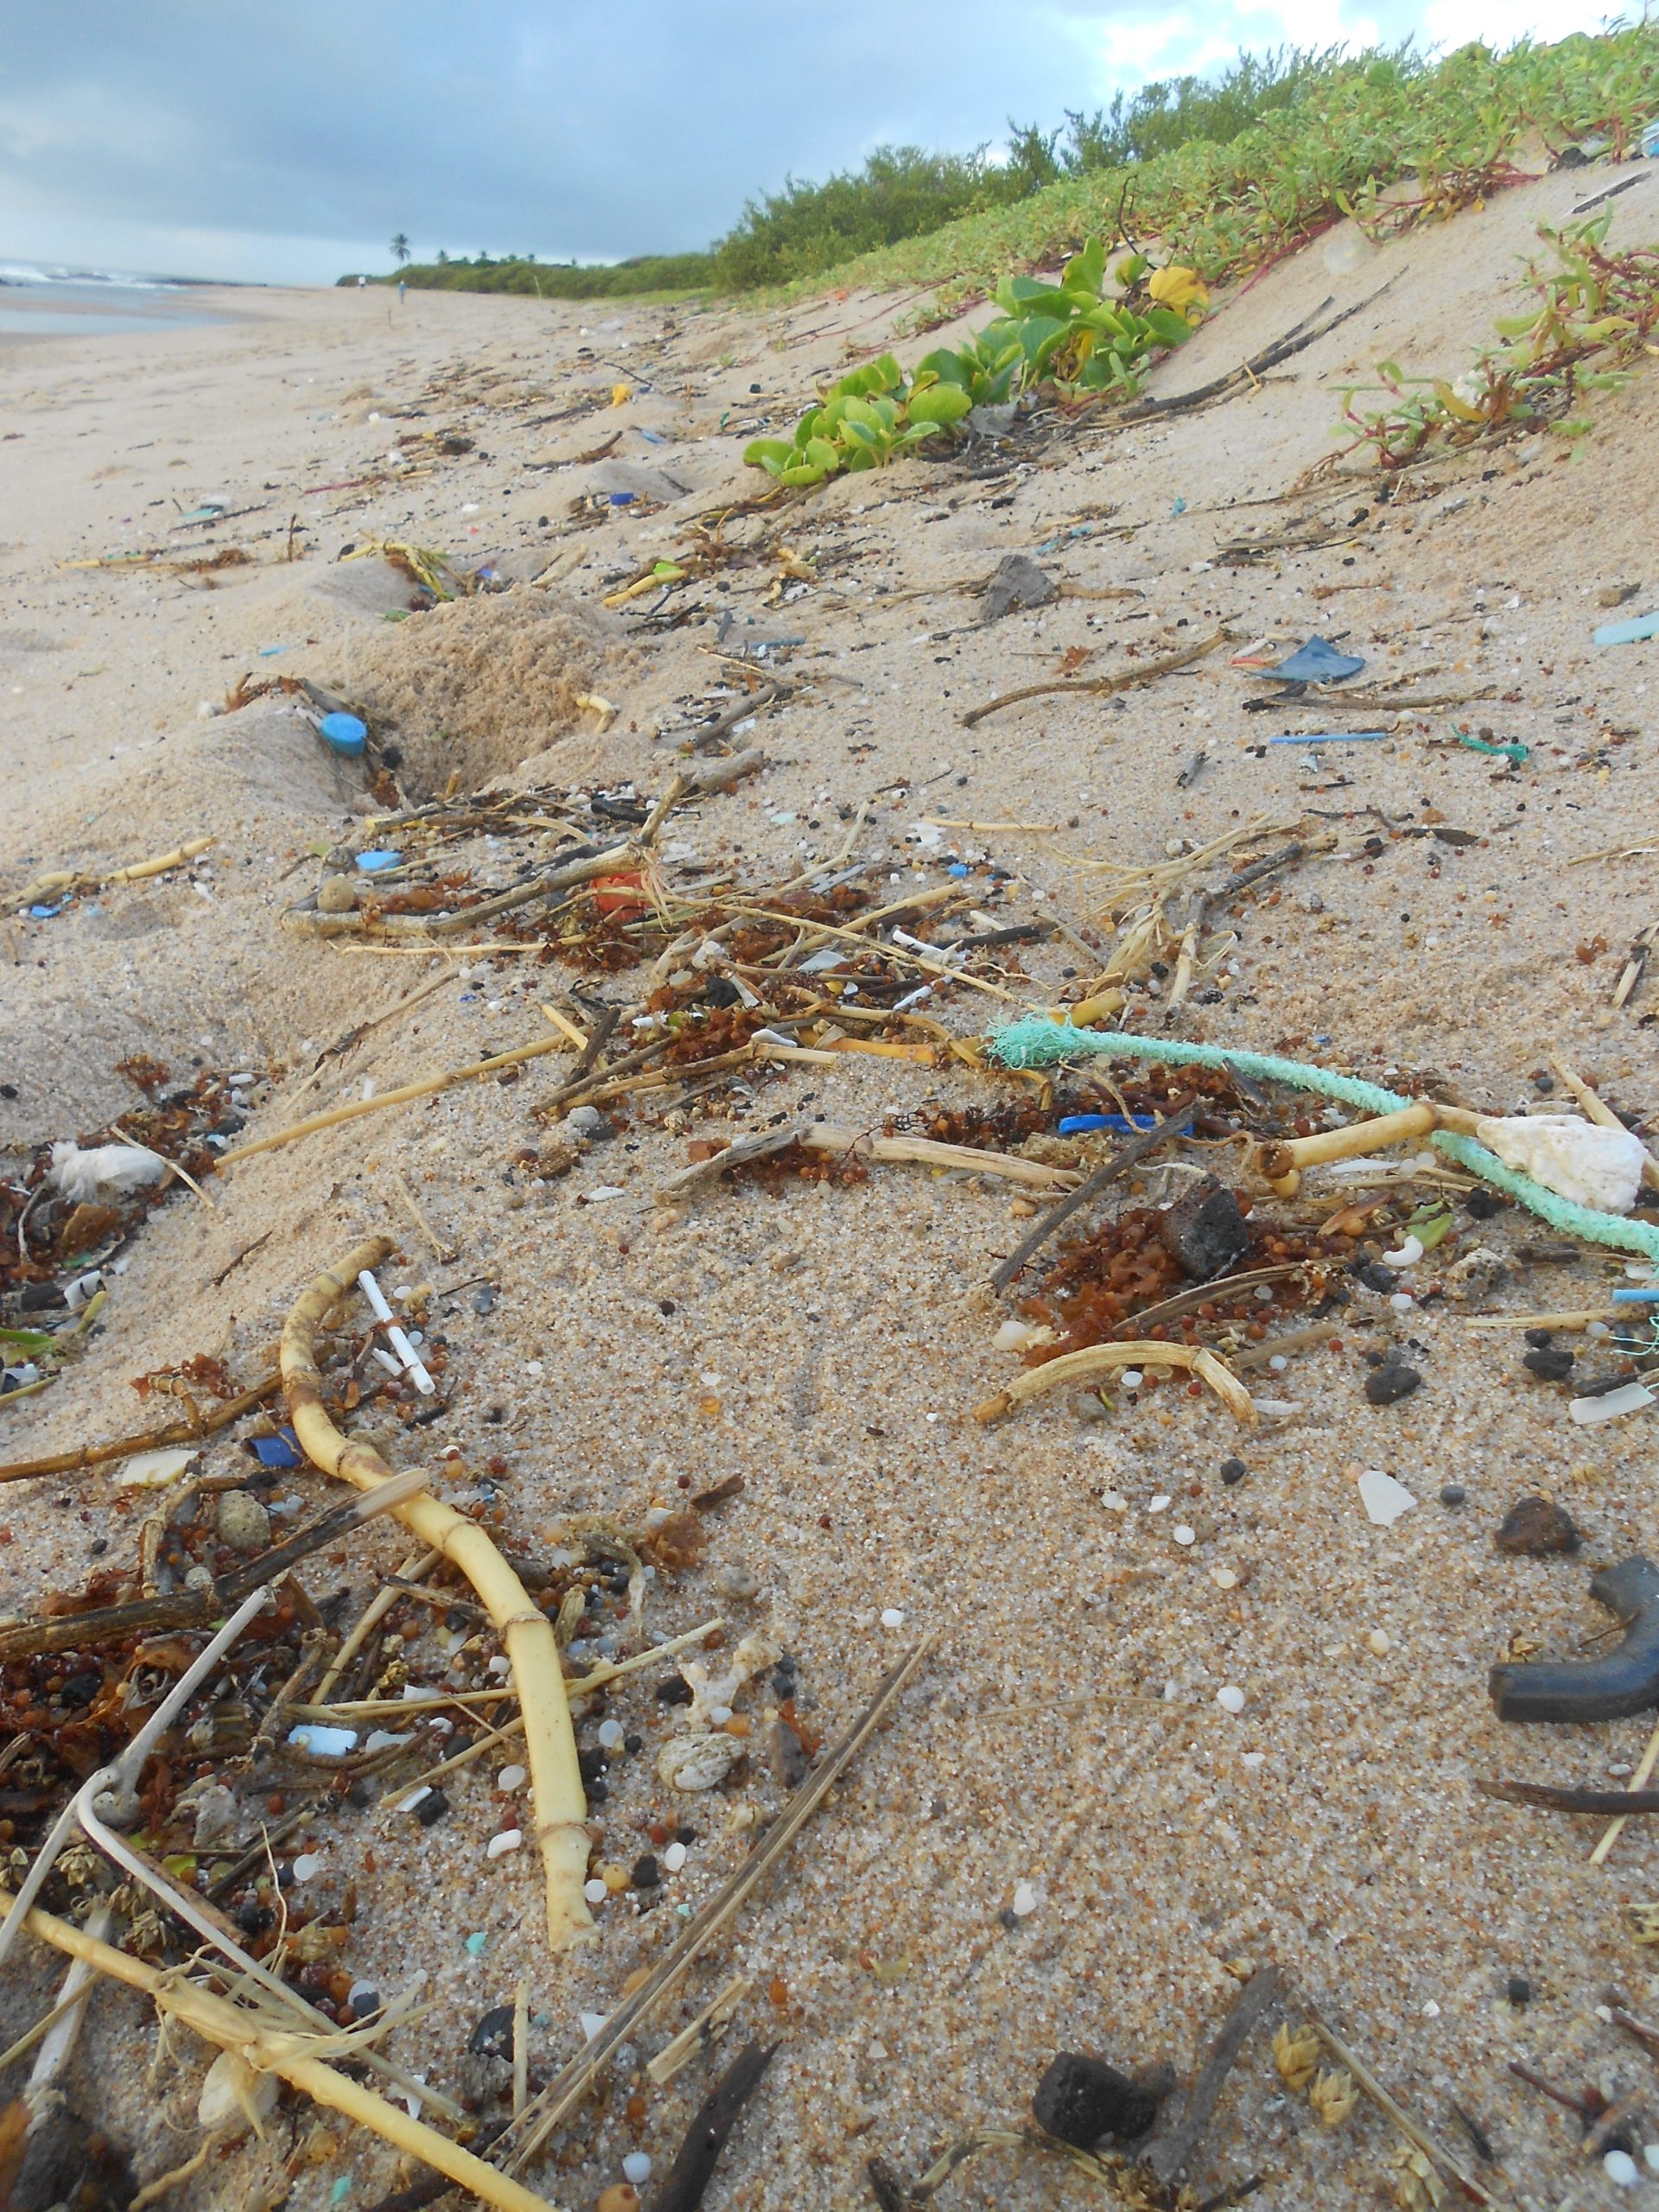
(623, 499)
(1637, 1297)
(282, 1450)
(1629, 634)
(45, 914)
(381, 856)
(957, 867)
(1317, 662)
(270, 653)
(343, 733)
(1078, 1125)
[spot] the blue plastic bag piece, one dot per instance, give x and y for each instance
(45, 914)
(1629, 634)
(282, 1450)
(344, 734)
(1078, 1125)
(381, 856)
(1318, 661)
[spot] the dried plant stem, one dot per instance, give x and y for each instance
(1173, 2152)
(1413, 2130)
(373, 1613)
(925, 1152)
(526, 1633)
(1127, 1156)
(232, 2027)
(675, 2057)
(567, 2089)
(122, 1447)
(426, 1088)
(68, 880)
(1639, 1780)
(1107, 1359)
(1099, 687)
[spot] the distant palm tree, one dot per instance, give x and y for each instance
(400, 247)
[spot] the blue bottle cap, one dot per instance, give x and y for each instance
(344, 734)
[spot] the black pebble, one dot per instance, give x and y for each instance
(1204, 1231)
(1539, 1337)
(1551, 1363)
(1374, 1277)
(80, 1689)
(1233, 1470)
(1518, 1990)
(492, 2037)
(674, 1690)
(1389, 1384)
(431, 1811)
(1079, 2099)
(592, 1764)
(1453, 1494)
(645, 1875)
(1482, 1204)
(634, 1744)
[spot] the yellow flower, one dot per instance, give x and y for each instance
(1180, 288)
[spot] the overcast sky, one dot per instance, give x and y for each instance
(286, 140)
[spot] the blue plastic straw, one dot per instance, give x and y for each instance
(1078, 1125)
(1334, 737)
(1637, 1297)
(1632, 633)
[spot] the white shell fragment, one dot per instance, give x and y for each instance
(1383, 1499)
(1580, 1160)
(1612, 1405)
(698, 1762)
(322, 1741)
(155, 1470)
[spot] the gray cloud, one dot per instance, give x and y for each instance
(268, 141)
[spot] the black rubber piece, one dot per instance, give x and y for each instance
(1623, 1680)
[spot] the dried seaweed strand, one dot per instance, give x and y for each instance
(1127, 1156)
(526, 1633)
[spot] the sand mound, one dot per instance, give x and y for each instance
(478, 686)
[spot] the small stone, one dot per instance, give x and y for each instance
(431, 1809)
(1017, 583)
(698, 1762)
(1518, 1989)
(1481, 1205)
(1550, 1362)
(1024, 1900)
(1233, 1470)
(336, 894)
(1537, 1527)
(1204, 1230)
(1081, 2099)
(492, 2037)
(1087, 1405)
(1452, 1494)
(1539, 1337)
(586, 1121)
(1378, 1643)
(1388, 1384)
(244, 1523)
(644, 1874)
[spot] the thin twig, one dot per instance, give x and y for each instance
(1098, 687)
(1126, 1157)
(1171, 2154)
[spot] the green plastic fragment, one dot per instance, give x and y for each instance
(1519, 753)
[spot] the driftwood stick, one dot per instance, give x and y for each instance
(1171, 2154)
(1127, 1156)
(714, 2121)
(1553, 1798)
(196, 1608)
(122, 1447)
(1098, 687)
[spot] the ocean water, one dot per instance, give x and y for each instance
(42, 300)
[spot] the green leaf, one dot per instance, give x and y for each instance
(28, 1340)
(945, 402)
(771, 454)
(1168, 328)
(1086, 271)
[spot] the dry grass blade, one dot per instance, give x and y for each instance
(1109, 1359)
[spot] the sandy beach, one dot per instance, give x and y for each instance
(1059, 1839)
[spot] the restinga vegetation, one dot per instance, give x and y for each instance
(1224, 174)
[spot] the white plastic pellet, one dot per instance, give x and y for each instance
(306, 1866)
(1231, 1699)
(610, 1734)
(501, 1664)
(673, 1857)
(511, 1777)
(1159, 1505)
(1410, 1251)
(636, 2167)
(1619, 2166)
(596, 1893)
(892, 1617)
(1131, 1378)
(1182, 1535)
(499, 1846)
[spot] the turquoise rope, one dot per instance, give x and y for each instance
(1038, 1043)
